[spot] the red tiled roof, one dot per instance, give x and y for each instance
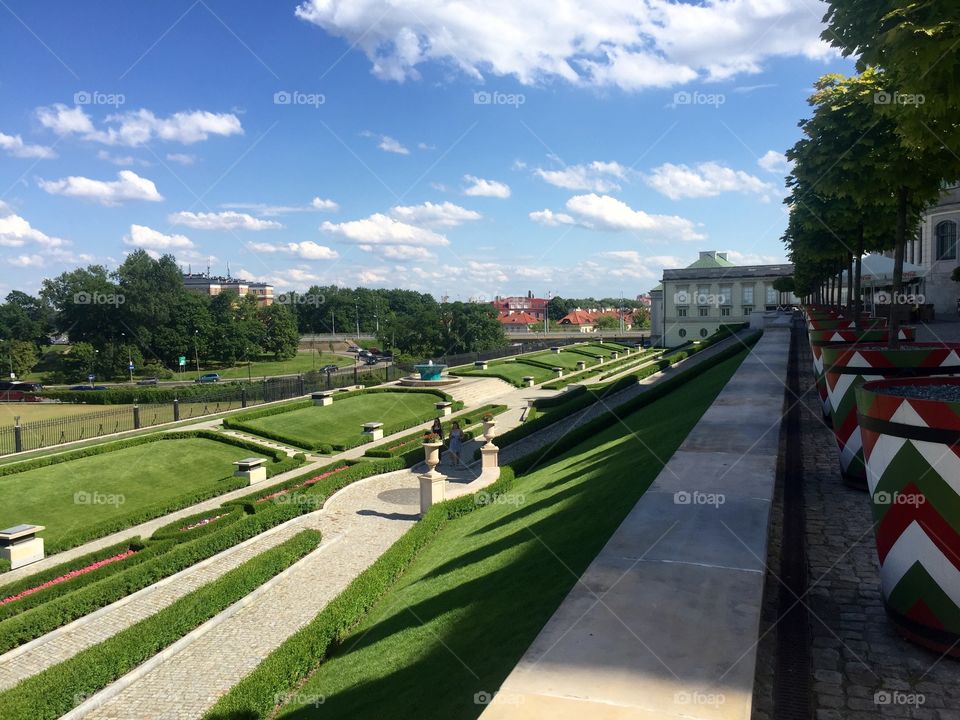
(517, 318)
(577, 317)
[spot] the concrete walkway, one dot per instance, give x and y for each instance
(664, 622)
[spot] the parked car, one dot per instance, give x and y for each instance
(371, 360)
(209, 378)
(374, 350)
(353, 349)
(148, 381)
(329, 368)
(87, 388)
(364, 353)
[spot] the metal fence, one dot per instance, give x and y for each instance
(57, 431)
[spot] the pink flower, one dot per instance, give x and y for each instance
(69, 576)
(201, 523)
(305, 483)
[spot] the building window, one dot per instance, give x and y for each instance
(747, 309)
(703, 295)
(947, 240)
(704, 311)
(703, 332)
(748, 294)
(772, 295)
(682, 332)
(726, 295)
(681, 312)
(724, 312)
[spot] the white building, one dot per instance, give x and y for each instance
(692, 303)
(935, 252)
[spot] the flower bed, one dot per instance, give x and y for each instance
(202, 523)
(68, 576)
(303, 484)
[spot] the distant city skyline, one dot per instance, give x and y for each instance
(390, 148)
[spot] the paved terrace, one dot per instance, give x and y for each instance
(664, 622)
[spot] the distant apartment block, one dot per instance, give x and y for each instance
(533, 306)
(204, 284)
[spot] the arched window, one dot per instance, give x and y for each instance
(947, 240)
(703, 332)
(682, 332)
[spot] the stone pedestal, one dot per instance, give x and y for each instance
(555, 349)
(489, 456)
(432, 484)
(528, 380)
(253, 469)
(19, 545)
(445, 409)
(374, 430)
(322, 398)
(614, 355)
(481, 364)
(558, 371)
(581, 365)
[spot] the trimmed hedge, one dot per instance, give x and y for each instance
(174, 530)
(60, 688)
(611, 368)
(145, 395)
(59, 611)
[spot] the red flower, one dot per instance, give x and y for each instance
(69, 576)
(305, 483)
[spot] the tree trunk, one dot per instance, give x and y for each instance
(857, 303)
(850, 284)
(901, 237)
(839, 286)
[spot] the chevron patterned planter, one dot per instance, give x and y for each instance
(821, 338)
(911, 441)
(866, 323)
(848, 367)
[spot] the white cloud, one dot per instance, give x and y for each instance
(399, 252)
(602, 212)
(706, 179)
(182, 158)
(15, 146)
(127, 186)
(16, 231)
(549, 217)
(267, 210)
(445, 214)
(596, 176)
(122, 160)
(388, 144)
(620, 43)
(774, 162)
(227, 220)
(141, 236)
(380, 229)
(308, 250)
(138, 127)
(485, 188)
(324, 204)
(26, 261)
(739, 258)
(635, 265)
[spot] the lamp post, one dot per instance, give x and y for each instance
(196, 353)
(129, 356)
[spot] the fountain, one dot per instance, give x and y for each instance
(431, 375)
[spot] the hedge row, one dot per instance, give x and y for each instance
(60, 688)
(81, 601)
(255, 695)
(415, 440)
(613, 367)
(129, 395)
(175, 529)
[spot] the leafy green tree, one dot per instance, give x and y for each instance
(19, 356)
(558, 308)
(280, 331)
(607, 322)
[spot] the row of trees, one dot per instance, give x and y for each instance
(879, 145)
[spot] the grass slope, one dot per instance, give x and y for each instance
(303, 362)
(472, 602)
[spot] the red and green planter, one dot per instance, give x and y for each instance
(911, 440)
(844, 323)
(821, 338)
(846, 367)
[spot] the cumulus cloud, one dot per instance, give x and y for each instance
(138, 127)
(621, 43)
(127, 186)
(308, 250)
(596, 176)
(399, 252)
(15, 146)
(774, 162)
(706, 179)
(479, 187)
(16, 231)
(182, 158)
(550, 218)
(445, 214)
(602, 212)
(25, 261)
(227, 220)
(268, 210)
(387, 143)
(380, 229)
(324, 204)
(141, 236)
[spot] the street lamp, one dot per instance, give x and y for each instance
(196, 353)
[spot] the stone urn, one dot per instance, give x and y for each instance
(911, 441)
(431, 451)
(846, 367)
(489, 430)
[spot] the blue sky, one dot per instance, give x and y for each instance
(469, 149)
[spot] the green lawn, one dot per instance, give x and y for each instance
(69, 496)
(29, 412)
(304, 361)
(565, 359)
(512, 372)
(340, 423)
(468, 607)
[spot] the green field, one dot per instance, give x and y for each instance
(70, 496)
(566, 360)
(464, 612)
(29, 412)
(512, 372)
(340, 423)
(304, 361)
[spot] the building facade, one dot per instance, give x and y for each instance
(693, 302)
(204, 284)
(536, 307)
(934, 250)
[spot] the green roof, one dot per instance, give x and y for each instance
(709, 261)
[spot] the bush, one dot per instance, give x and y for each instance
(174, 530)
(143, 394)
(56, 690)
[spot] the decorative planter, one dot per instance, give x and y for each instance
(846, 367)
(911, 439)
(489, 429)
(820, 338)
(844, 323)
(432, 454)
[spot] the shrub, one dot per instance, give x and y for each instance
(56, 690)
